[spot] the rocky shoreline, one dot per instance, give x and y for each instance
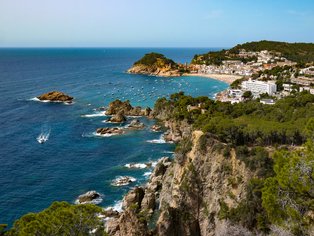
(183, 196)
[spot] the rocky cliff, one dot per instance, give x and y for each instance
(155, 64)
(185, 197)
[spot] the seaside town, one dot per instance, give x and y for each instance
(254, 81)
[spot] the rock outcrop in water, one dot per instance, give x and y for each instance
(109, 131)
(118, 118)
(125, 108)
(139, 205)
(155, 64)
(88, 197)
(136, 124)
(55, 96)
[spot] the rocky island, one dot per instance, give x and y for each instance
(155, 64)
(120, 108)
(55, 96)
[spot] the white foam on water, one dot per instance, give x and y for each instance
(116, 207)
(133, 116)
(136, 165)
(94, 201)
(161, 140)
(97, 114)
(103, 135)
(170, 152)
(116, 182)
(43, 136)
(147, 174)
(154, 163)
(35, 99)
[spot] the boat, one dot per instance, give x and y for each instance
(43, 137)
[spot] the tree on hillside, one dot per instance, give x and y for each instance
(247, 95)
(288, 197)
(61, 218)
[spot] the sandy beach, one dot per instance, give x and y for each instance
(225, 78)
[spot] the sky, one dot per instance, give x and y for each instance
(153, 23)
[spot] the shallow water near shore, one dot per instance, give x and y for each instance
(73, 160)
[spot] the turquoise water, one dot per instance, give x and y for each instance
(73, 160)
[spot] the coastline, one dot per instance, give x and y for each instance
(229, 79)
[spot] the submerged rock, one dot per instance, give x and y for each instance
(109, 131)
(136, 124)
(89, 197)
(55, 96)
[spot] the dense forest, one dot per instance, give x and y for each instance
(297, 52)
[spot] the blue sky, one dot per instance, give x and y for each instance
(153, 23)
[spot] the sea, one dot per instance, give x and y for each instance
(74, 160)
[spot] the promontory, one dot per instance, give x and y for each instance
(155, 64)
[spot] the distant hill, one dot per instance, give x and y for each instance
(297, 52)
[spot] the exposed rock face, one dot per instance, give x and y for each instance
(55, 96)
(109, 131)
(136, 124)
(118, 118)
(198, 184)
(185, 196)
(125, 108)
(88, 197)
(155, 64)
(166, 71)
(155, 128)
(138, 206)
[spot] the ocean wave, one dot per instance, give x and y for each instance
(170, 152)
(97, 114)
(137, 165)
(103, 135)
(35, 99)
(161, 140)
(134, 116)
(116, 207)
(123, 180)
(147, 174)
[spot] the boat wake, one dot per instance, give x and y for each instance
(43, 136)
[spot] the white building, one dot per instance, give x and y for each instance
(259, 87)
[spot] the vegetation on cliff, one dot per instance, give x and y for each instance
(297, 52)
(151, 59)
(249, 123)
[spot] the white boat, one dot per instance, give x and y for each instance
(43, 137)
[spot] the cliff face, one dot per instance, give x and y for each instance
(194, 187)
(155, 64)
(185, 197)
